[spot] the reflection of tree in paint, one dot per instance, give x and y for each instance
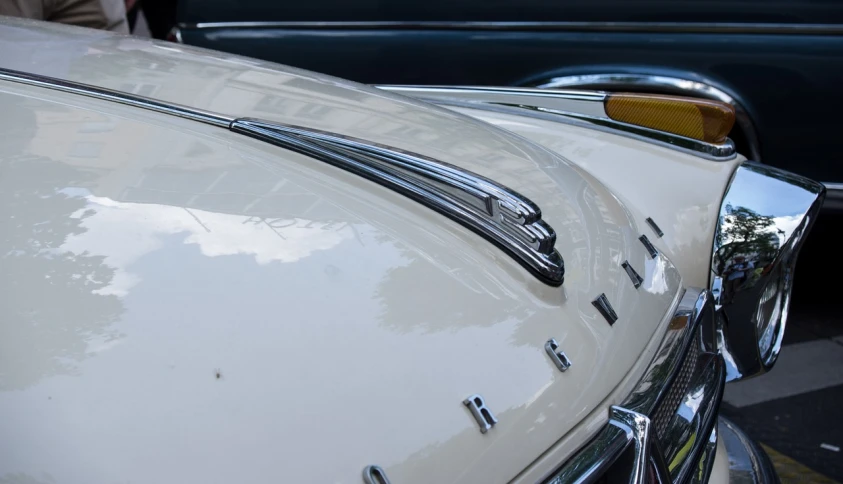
(50, 309)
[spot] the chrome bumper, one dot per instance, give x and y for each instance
(748, 463)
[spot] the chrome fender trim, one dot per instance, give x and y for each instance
(765, 216)
(662, 84)
(141, 102)
(578, 108)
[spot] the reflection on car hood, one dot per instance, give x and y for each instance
(186, 304)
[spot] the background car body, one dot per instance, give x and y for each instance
(184, 303)
(778, 62)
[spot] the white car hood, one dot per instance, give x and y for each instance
(184, 304)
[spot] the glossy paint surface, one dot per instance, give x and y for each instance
(184, 304)
(681, 193)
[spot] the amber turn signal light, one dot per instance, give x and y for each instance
(700, 119)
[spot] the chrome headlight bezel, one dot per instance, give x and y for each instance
(765, 216)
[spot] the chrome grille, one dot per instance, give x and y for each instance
(678, 389)
(664, 432)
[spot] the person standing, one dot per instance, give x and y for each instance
(97, 14)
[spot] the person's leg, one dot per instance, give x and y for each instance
(96, 14)
(132, 9)
(160, 16)
(33, 9)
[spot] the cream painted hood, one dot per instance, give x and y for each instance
(184, 304)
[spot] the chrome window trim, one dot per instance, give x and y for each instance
(626, 81)
(497, 213)
(632, 27)
(630, 423)
(578, 108)
(112, 95)
(493, 211)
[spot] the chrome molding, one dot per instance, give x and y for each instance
(493, 211)
(584, 103)
(141, 102)
(645, 27)
(499, 214)
(662, 84)
(669, 420)
(578, 108)
(764, 219)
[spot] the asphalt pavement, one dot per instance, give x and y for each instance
(796, 410)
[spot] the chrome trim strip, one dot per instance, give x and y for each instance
(833, 186)
(584, 109)
(663, 84)
(497, 213)
(647, 27)
(765, 216)
(586, 103)
(133, 100)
